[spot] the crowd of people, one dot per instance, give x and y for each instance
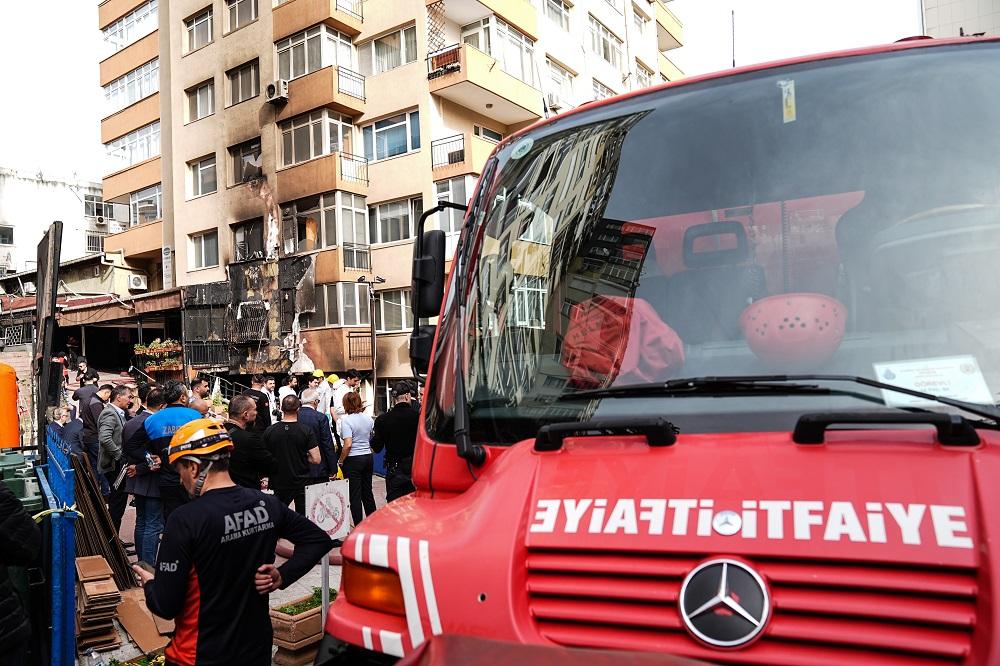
(307, 430)
(194, 477)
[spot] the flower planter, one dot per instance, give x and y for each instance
(294, 629)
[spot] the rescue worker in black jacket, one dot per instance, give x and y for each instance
(20, 542)
(396, 432)
(215, 566)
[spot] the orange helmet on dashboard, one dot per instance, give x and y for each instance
(201, 438)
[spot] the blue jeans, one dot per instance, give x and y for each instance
(148, 527)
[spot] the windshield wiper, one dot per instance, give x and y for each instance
(770, 385)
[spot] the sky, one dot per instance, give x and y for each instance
(50, 121)
(50, 118)
(774, 29)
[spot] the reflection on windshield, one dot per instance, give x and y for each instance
(708, 231)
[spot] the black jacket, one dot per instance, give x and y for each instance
(250, 460)
(263, 409)
(396, 432)
(20, 542)
(90, 412)
(320, 426)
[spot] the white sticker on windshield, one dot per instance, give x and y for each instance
(522, 148)
(957, 377)
(787, 100)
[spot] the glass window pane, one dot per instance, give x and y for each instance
(208, 178)
(410, 36)
(369, 143)
(317, 139)
(298, 60)
(285, 64)
(315, 54)
(320, 316)
(286, 148)
(387, 52)
(415, 130)
(300, 138)
(211, 247)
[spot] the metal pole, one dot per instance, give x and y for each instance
(371, 322)
(325, 582)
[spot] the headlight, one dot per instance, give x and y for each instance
(374, 588)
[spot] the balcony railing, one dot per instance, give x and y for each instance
(353, 168)
(356, 256)
(359, 345)
(352, 7)
(350, 83)
(445, 61)
(214, 353)
(450, 150)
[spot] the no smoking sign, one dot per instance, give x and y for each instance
(329, 507)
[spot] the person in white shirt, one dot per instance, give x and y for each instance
(352, 379)
(289, 386)
(318, 382)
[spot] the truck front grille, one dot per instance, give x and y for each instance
(824, 612)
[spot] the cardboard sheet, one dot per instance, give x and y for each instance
(94, 567)
(138, 622)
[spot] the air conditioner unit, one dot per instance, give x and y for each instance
(137, 282)
(99, 220)
(552, 101)
(29, 287)
(277, 91)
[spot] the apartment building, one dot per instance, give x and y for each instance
(31, 201)
(275, 156)
(954, 18)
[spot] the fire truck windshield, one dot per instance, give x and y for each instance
(839, 217)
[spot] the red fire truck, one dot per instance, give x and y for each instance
(714, 375)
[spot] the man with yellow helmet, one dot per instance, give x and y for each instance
(215, 566)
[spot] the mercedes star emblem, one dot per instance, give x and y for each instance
(724, 603)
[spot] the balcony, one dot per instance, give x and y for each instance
(336, 88)
(519, 13)
(336, 171)
(209, 353)
(459, 155)
(339, 348)
(131, 179)
(124, 61)
(295, 16)
(138, 114)
(139, 242)
(669, 69)
(467, 76)
(669, 29)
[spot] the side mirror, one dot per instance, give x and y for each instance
(428, 275)
(427, 287)
(421, 342)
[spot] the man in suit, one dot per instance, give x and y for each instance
(319, 424)
(111, 459)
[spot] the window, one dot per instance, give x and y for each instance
(394, 220)
(199, 30)
(393, 50)
(562, 81)
(204, 250)
(95, 241)
(314, 134)
(141, 82)
(487, 133)
(241, 12)
(93, 206)
(311, 50)
(341, 304)
(203, 179)
(354, 231)
(511, 48)
(134, 147)
(640, 20)
(643, 76)
(201, 101)
(457, 190)
(558, 12)
(146, 205)
(605, 44)
(312, 222)
(130, 28)
(244, 82)
(601, 91)
(530, 292)
(392, 311)
(6, 235)
(246, 161)
(393, 136)
(248, 240)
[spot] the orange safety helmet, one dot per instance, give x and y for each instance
(201, 438)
